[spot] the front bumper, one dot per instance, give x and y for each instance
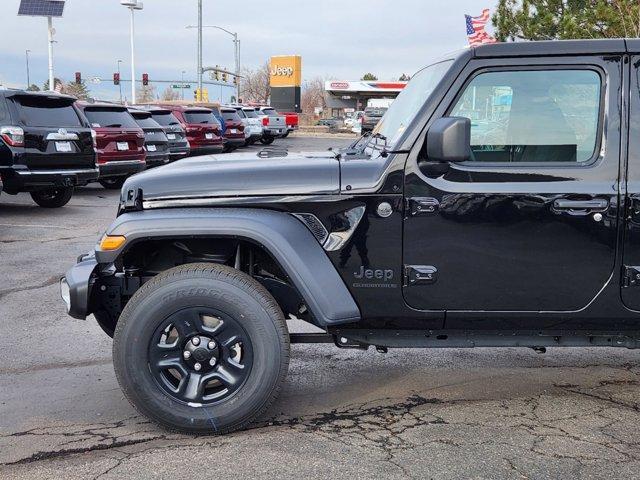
(121, 168)
(26, 180)
(75, 286)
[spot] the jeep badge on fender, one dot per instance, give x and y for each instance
(513, 229)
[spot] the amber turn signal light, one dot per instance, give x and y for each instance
(114, 242)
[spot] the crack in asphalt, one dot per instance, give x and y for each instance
(46, 283)
(382, 425)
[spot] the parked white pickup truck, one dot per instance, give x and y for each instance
(274, 125)
(252, 123)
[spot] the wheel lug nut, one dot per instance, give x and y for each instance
(212, 345)
(195, 341)
(187, 354)
(197, 366)
(212, 362)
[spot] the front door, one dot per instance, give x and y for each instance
(529, 222)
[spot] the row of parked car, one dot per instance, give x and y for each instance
(51, 143)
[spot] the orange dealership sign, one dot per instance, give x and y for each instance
(285, 71)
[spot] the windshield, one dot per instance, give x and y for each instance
(230, 116)
(270, 112)
(110, 118)
(250, 113)
(404, 108)
(165, 119)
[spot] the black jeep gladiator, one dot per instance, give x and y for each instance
(496, 204)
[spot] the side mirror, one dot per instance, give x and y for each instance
(449, 140)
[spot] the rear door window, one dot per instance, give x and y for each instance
(205, 118)
(110, 118)
(47, 112)
(240, 113)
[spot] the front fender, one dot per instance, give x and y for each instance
(290, 243)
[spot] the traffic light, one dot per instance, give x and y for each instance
(78, 77)
(224, 77)
(196, 94)
(235, 80)
(145, 79)
(116, 79)
(217, 75)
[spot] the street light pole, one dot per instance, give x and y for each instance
(26, 52)
(50, 38)
(236, 49)
(119, 82)
(199, 50)
(132, 5)
(182, 85)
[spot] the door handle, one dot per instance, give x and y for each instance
(581, 207)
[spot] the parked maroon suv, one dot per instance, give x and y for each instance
(119, 140)
(204, 132)
(234, 129)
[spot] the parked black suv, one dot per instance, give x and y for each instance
(46, 146)
(496, 204)
(156, 143)
(178, 144)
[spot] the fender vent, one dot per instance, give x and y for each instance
(270, 152)
(314, 225)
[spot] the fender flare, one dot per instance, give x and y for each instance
(285, 237)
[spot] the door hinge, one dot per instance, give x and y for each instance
(631, 276)
(420, 275)
(422, 206)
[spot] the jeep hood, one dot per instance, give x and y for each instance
(238, 174)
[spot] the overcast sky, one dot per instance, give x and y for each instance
(340, 39)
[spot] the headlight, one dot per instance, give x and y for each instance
(65, 293)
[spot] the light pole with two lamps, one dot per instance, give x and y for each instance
(132, 5)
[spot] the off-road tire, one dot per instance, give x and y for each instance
(202, 285)
(112, 183)
(53, 198)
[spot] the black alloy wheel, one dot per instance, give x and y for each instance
(200, 355)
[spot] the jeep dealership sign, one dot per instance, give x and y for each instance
(285, 71)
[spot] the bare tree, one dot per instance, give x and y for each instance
(170, 94)
(254, 85)
(146, 94)
(312, 96)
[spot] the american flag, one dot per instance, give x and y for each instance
(476, 33)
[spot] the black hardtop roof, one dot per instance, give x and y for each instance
(558, 47)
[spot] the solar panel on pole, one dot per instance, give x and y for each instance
(41, 8)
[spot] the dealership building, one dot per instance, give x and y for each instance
(347, 96)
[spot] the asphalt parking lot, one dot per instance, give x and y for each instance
(483, 413)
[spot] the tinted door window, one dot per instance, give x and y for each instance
(200, 117)
(110, 118)
(240, 113)
(43, 112)
(532, 116)
(250, 113)
(165, 119)
(270, 112)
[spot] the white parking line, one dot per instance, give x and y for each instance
(32, 226)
